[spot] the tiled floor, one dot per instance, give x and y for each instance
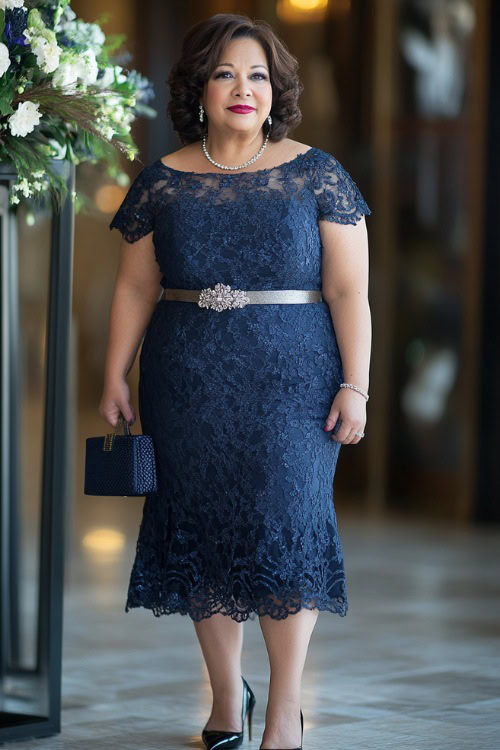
(415, 664)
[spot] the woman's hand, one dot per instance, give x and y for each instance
(348, 415)
(116, 399)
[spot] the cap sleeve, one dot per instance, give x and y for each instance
(135, 217)
(337, 195)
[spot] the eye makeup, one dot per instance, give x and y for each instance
(219, 75)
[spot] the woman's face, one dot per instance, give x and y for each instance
(241, 77)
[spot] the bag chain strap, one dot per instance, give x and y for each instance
(108, 439)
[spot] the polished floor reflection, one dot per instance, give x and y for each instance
(414, 664)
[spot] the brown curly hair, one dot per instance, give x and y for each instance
(202, 47)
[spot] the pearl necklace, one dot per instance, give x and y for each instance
(246, 164)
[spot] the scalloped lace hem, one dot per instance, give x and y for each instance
(175, 604)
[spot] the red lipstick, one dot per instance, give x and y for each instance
(241, 109)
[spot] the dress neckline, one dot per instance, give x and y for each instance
(230, 173)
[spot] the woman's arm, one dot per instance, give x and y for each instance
(344, 287)
(136, 292)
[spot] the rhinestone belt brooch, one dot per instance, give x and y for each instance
(222, 297)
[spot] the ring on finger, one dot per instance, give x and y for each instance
(358, 434)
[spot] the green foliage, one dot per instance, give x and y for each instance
(79, 122)
(7, 86)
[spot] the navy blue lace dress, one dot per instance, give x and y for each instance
(243, 522)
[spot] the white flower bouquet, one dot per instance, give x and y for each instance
(63, 96)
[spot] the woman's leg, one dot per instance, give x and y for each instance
(287, 642)
(221, 641)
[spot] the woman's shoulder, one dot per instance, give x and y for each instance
(313, 160)
(321, 157)
(180, 159)
(295, 148)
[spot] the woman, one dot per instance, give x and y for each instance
(240, 384)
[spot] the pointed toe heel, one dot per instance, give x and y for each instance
(251, 704)
(215, 739)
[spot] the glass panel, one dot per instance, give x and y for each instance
(431, 135)
(25, 690)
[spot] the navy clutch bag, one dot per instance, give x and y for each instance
(120, 464)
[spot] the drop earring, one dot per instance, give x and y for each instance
(201, 112)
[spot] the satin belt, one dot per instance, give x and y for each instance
(257, 297)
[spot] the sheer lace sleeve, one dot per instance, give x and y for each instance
(337, 195)
(135, 217)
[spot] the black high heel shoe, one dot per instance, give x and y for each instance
(215, 738)
(301, 733)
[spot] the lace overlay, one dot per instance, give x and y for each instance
(243, 522)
